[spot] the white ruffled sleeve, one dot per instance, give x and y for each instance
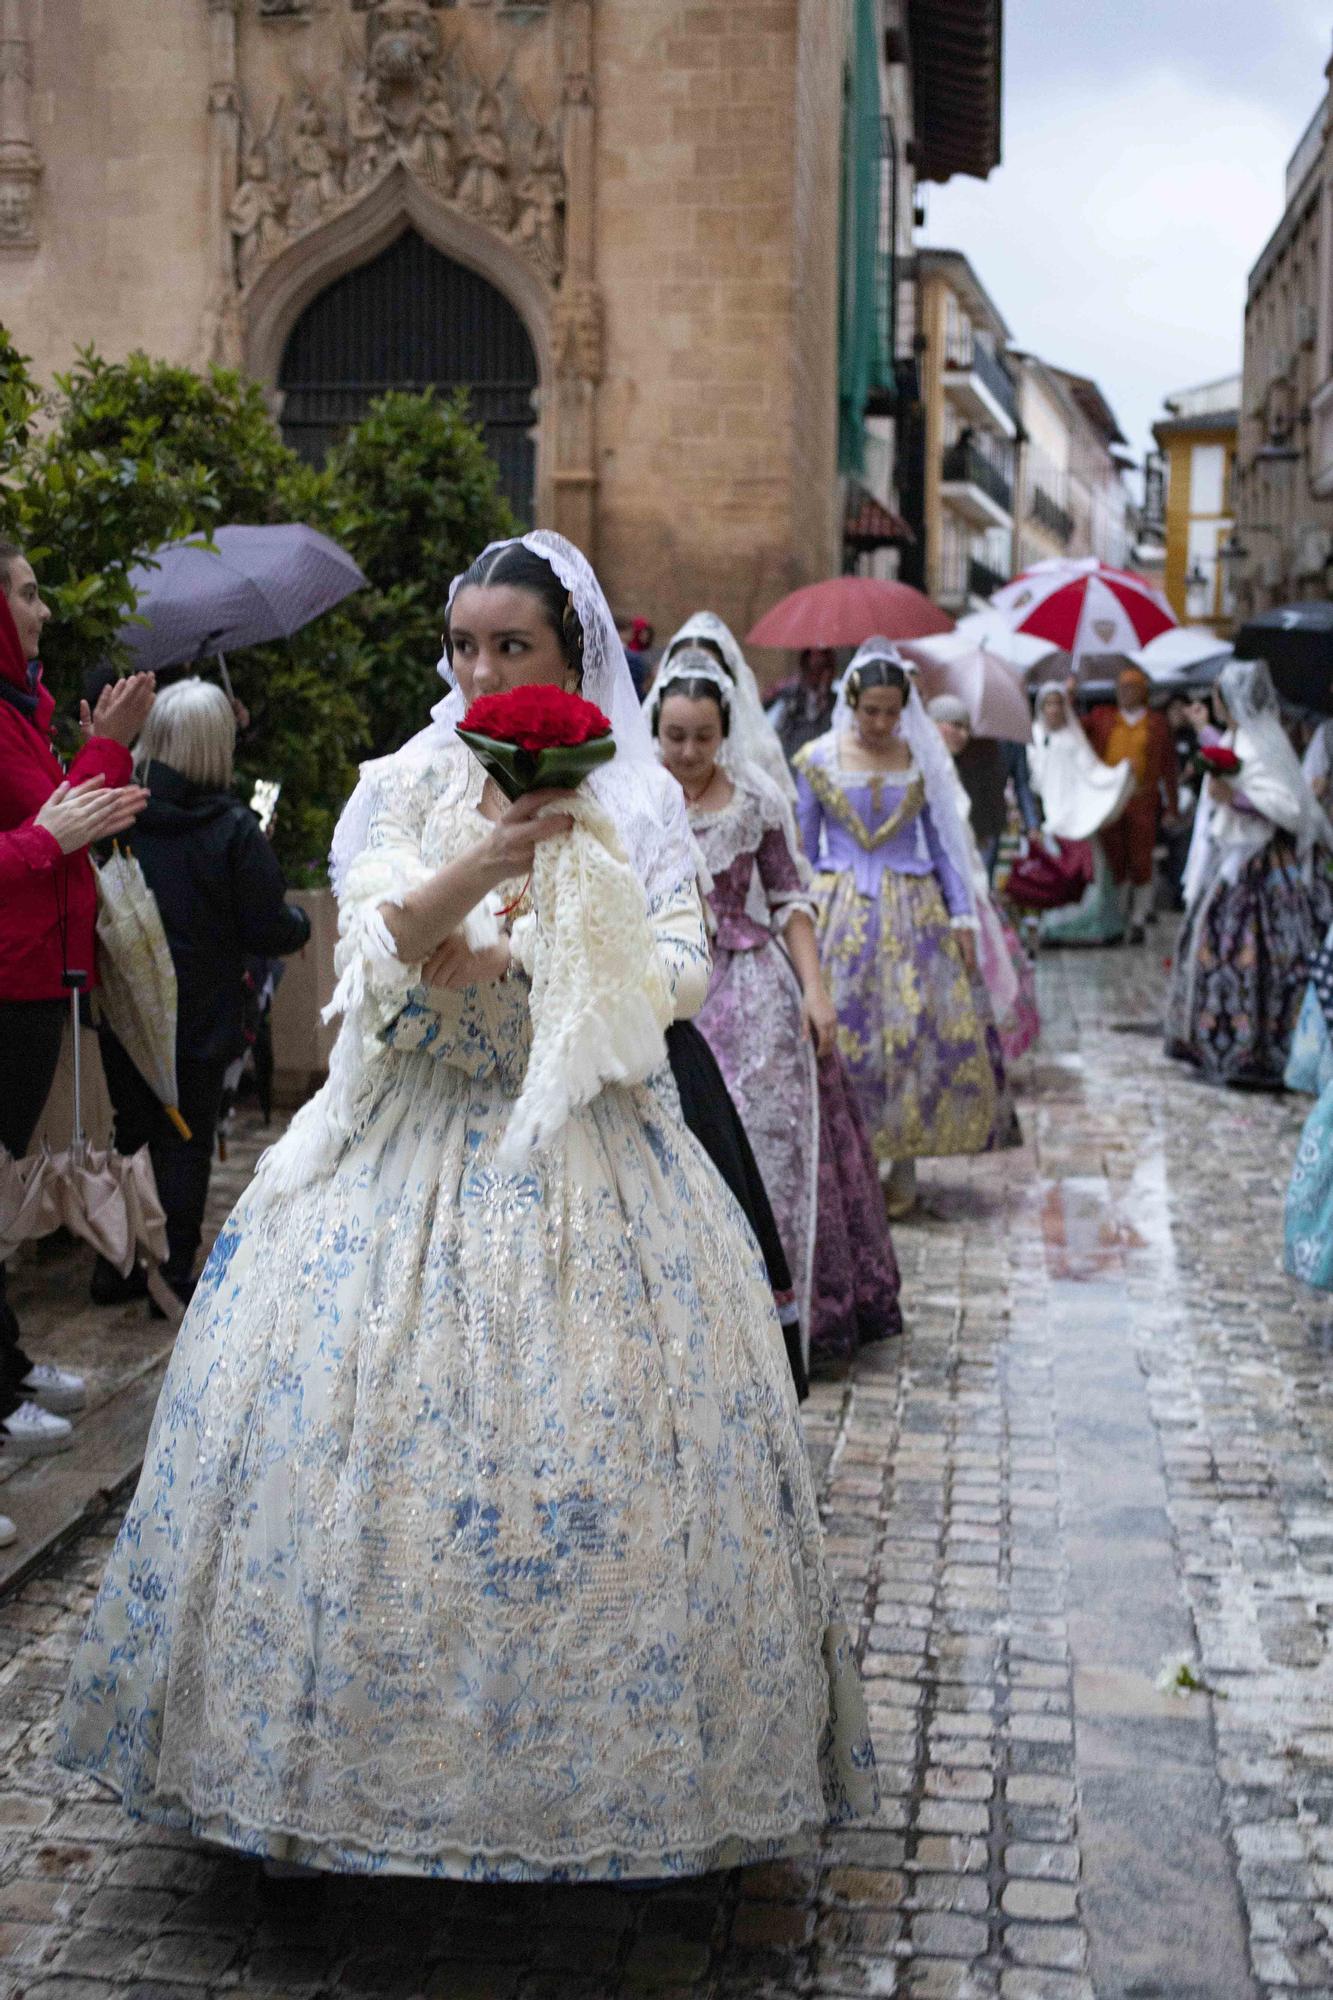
(681, 935)
(386, 870)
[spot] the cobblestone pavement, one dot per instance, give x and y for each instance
(1105, 1439)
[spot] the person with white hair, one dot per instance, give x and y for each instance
(1258, 896)
(898, 927)
(222, 898)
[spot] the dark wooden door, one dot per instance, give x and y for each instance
(410, 319)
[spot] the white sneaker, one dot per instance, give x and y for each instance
(30, 1430)
(8, 1532)
(56, 1387)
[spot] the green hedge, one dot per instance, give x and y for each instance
(123, 456)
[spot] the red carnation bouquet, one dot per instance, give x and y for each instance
(1214, 760)
(532, 738)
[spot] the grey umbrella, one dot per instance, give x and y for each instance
(256, 584)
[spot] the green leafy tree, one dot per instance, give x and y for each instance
(83, 511)
(140, 453)
(417, 497)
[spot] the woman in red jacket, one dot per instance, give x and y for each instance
(48, 906)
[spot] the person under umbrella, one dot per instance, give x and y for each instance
(1134, 734)
(221, 895)
(48, 901)
(802, 709)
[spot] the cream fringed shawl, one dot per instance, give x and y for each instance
(600, 998)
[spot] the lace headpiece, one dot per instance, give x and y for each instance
(649, 813)
(926, 744)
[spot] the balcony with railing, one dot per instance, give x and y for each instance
(1045, 508)
(978, 488)
(964, 580)
(980, 384)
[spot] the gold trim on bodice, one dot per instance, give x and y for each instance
(836, 803)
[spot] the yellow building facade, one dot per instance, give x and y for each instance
(1197, 442)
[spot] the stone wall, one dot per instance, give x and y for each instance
(717, 126)
(704, 399)
(119, 119)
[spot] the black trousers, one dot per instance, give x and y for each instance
(181, 1166)
(30, 1037)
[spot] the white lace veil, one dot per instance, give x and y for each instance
(647, 807)
(754, 735)
(691, 663)
(926, 744)
(1266, 753)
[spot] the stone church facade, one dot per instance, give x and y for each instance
(617, 222)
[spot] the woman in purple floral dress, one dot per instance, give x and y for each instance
(898, 927)
(769, 1021)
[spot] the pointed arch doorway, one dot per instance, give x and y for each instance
(414, 318)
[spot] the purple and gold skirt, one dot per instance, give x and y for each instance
(915, 1028)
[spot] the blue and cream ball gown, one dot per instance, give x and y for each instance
(476, 1536)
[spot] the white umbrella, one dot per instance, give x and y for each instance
(953, 663)
(991, 629)
(1188, 656)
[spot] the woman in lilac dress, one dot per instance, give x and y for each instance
(898, 927)
(769, 1020)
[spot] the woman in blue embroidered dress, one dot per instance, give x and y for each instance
(897, 927)
(476, 1536)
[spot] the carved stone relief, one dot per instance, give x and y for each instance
(20, 167)
(406, 100)
(577, 327)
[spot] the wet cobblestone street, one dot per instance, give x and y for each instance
(1105, 1445)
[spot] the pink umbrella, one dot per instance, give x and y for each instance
(1084, 607)
(845, 611)
(954, 663)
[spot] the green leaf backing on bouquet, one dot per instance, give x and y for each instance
(561, 767)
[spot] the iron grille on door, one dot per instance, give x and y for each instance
(413, 319)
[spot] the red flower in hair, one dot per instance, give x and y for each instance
(536, 718)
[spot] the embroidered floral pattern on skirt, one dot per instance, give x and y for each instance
(1242, 962)
(915, 1031)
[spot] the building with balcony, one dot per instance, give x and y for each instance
(1281, 548)
(923, 104)
(1188, 491)
(1071, 494)
(971, 429)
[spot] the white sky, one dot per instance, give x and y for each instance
(1144, 145)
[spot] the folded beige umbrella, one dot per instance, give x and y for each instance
(109, 1200)
(138, 989)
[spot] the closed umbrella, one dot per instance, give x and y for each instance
(846, 611)
(1297, 642)
(109, 1199)
(138, 992)
(255, 585)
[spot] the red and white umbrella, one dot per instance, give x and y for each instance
(1084, 607)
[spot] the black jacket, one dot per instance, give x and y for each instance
(221, 894)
